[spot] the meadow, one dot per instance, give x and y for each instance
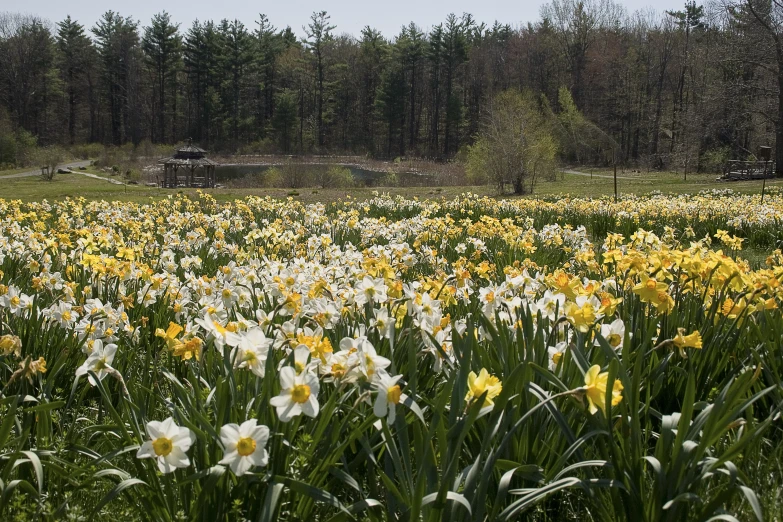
(375, 357)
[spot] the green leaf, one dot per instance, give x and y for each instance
(116, 490)
(450, 495)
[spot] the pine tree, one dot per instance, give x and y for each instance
(162, 46)
(74, 56)
(319, 38)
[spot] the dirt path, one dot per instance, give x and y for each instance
(577, 173)
(67, 166)
(30, 173)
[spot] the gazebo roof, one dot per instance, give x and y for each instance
(189, 155)
(198, 162)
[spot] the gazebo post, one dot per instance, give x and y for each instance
(190, 158)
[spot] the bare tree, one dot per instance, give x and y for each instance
(577, 24)
(767, 15)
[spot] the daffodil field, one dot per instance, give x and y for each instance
(392, 359)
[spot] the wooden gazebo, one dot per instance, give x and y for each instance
(188, 167)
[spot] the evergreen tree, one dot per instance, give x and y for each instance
(319, 38)
(162, 46)
(74, 58)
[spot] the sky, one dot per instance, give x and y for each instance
(350, 16)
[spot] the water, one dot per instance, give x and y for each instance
(366, 177)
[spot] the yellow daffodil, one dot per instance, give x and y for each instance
(483, 382)
(595, 389)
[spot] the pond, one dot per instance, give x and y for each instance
(366, 177)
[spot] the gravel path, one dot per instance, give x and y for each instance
(576, 172)
(69, 167)
(28, 174)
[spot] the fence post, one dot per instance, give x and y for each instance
(615, 182)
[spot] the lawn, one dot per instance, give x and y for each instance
(73, 185)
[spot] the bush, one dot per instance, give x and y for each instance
(336, 176)
(390, 179)
(7, 150)
(296, 175)
(26, 145)
(272, 178)
(515, 144)
(49, 157)
(265, 146)
(713, 160)
(87, 150)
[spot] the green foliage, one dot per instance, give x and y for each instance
(515, 144)
(714, 160)
(687, 442)
(580, 140)
(49, 157)
(273, 178)
(336, 176)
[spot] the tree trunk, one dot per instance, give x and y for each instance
(779, 123)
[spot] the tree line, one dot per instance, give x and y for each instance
(684, 88)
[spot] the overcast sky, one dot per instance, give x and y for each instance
(350, 16)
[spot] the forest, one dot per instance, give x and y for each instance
(684, 88)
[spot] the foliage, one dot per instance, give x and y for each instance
(461, 358)
(714, 160)
(664, 88)
(581, 140)
(49, 157)
(515, 144)
(336, 176)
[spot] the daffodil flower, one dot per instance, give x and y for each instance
(99, 361)
(167, 443)
(483, 382)
(595, 389)
(682, 341)
(389, 395)
(245, 446)
(298, 394)
(614, 333)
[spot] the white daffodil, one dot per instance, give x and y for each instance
(15, 301)
(218, 332)
(252, 350)
(303, 360)
(614, 333)
(383, 322)
(168, 444)
(389, 395)
(371, 290)
(550, 303)
(555, 354)
(363, 360)
(299, 394)
(99, 361)
(245, 446)
(63, 314)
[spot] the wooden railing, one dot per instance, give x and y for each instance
(744, 169)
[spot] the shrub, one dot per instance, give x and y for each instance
(713, 160)
(336, 176)
(49, 157)
(272, 178)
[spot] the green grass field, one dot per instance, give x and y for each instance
(74, 185)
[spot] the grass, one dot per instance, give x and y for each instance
(8, 172)
(74, 185)
(643, 183)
